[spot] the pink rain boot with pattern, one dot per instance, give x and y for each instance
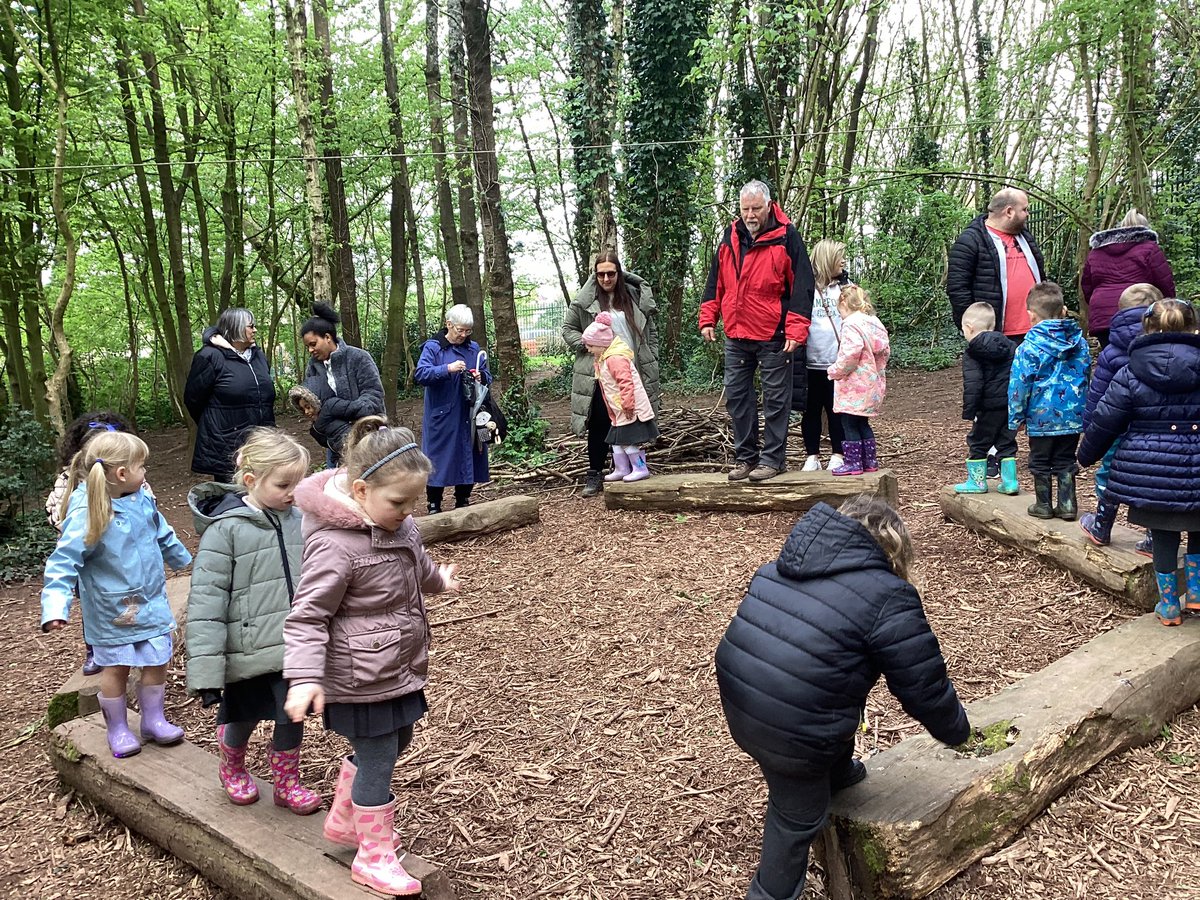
(339, 821)
(375, 864)
(289, 792)
(238, 783)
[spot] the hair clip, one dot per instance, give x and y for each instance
(107, 426)
(383, 428)
(98, 460)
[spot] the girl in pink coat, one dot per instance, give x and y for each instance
(859, 376)
(628, 405)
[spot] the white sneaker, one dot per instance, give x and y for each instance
(812, 464)
(836, 461)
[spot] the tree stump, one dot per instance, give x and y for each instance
(171, 795)
(926, 812)
(1117, 568)
(503, 514)
(796, 491)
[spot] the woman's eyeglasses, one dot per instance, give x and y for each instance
(606, 275)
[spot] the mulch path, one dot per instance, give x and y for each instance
(575, 746)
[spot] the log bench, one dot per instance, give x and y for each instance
(795, 491)
(77, 696)
(925, 812)
(171, 796)
(502, 514)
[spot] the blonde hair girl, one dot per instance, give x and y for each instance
(824, 338)
(111, 549)
(860, 376)
(357, 638)
(242, 588)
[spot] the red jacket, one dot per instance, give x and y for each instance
(760, 289)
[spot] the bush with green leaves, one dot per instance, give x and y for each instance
(525, 444)
(26, 463)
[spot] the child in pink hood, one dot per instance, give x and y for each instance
(860, 379)
(626, 399)
(356, 643)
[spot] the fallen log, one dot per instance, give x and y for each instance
(503, 514)
(926, 812)
(1117, 568)
(795, 491)
(77, 696)
(171, 795)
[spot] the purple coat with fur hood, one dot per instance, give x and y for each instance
(358, 626)
(1121, 257)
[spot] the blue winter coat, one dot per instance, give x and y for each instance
(447, 434)
(1047, 389)
(815, 631)
(1154, 402)
(1124, 328)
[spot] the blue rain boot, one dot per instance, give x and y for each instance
(1168, 610)
(1191, 565)
(1008, 477)
(1098, 525)
(976, 482)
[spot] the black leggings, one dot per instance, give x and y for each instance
(376, 758)
(857, 428)
(1166, 548)
(462, 493)
(820, 400)
(597, 431)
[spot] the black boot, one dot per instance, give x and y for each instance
(1066, 496)
(462, 495)
(594, 483)
(434, 508)
(1042, 489)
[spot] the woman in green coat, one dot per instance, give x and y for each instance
(630, 301)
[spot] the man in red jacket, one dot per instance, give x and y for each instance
(760, 288)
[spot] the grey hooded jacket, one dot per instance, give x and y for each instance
(243, 579)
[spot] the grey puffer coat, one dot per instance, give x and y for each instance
(580, 314)
(244, 575)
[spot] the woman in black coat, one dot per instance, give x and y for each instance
(229, 391)
(812, 636)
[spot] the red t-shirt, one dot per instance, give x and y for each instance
(1020, 283)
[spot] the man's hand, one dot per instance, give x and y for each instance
(707, 333)
(790, 346)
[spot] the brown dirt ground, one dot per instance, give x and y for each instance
(575, 746)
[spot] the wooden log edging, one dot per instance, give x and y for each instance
(502, 514)
(924, 813)
(171, 796)
(1117, 568)
(714, 492)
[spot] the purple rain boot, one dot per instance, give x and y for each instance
(155, 726)
(870, 460)
(622, 465)
(120, 739)
(852, 453)
(90, 667)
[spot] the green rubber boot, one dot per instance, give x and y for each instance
(976, 482)
(1008, 476)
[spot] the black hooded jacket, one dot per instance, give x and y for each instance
(815, 631)
(986, 365)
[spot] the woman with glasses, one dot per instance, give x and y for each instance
(229, 391)
(447, 432)
(630, 302)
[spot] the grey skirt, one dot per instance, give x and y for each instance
(362, 720)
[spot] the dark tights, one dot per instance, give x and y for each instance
(1166, 548)
(462, 494)
(287, 735)
(597, 432)
(820, 400)
(857, 428)
(376, 758)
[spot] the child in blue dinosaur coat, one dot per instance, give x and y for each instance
(1046, 395)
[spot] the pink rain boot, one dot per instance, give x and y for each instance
(155, 726)
(639, 467)
(621, 466)
(375, 864)
(120, 739)
(238, 783)
(339, 821)
(289, 792)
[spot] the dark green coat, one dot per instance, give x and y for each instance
(580, 314)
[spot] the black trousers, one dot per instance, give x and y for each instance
(1053, 455)
(820, 401)
(990, 429)
(597, 431)
(1166, 548)
(462, 493)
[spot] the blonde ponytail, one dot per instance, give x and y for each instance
(104, 453)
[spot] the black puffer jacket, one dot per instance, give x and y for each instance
(986, 364)
(815, 631)
(226, 396)
(973, 270)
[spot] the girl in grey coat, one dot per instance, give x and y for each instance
(243, 581)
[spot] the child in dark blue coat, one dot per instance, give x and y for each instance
(1126, 326)
(816, 629)
(986, 365)
(1047, 392)
(1153, 407)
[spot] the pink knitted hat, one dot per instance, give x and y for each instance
(599, 333)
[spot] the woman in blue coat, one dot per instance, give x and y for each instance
(447, 432)
(1153, 406)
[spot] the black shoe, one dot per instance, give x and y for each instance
(993, 466)
(1042, 489)
(594, 483)
(854, 772)
(434, 508)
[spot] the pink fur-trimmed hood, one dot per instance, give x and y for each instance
(324, 511)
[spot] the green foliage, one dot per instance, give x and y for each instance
(25, 542)
(525, 445)
(26, 460)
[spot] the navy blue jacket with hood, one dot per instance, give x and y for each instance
(1155, 403)
(986, 365)
(1124, 328)
(813, 634)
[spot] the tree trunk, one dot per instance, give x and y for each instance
(870, 43)
(297, 30)
(232, 285)
(794, 491)
(478, 44)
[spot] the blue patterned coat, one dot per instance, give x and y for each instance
(1047, 388)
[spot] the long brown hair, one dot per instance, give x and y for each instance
(622, 299)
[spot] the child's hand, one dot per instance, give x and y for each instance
(300, 697)
(448, 574)
(54, 625)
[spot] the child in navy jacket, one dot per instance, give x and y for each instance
(1046, 395)
(987, 364)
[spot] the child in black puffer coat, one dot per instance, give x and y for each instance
(812, 636)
